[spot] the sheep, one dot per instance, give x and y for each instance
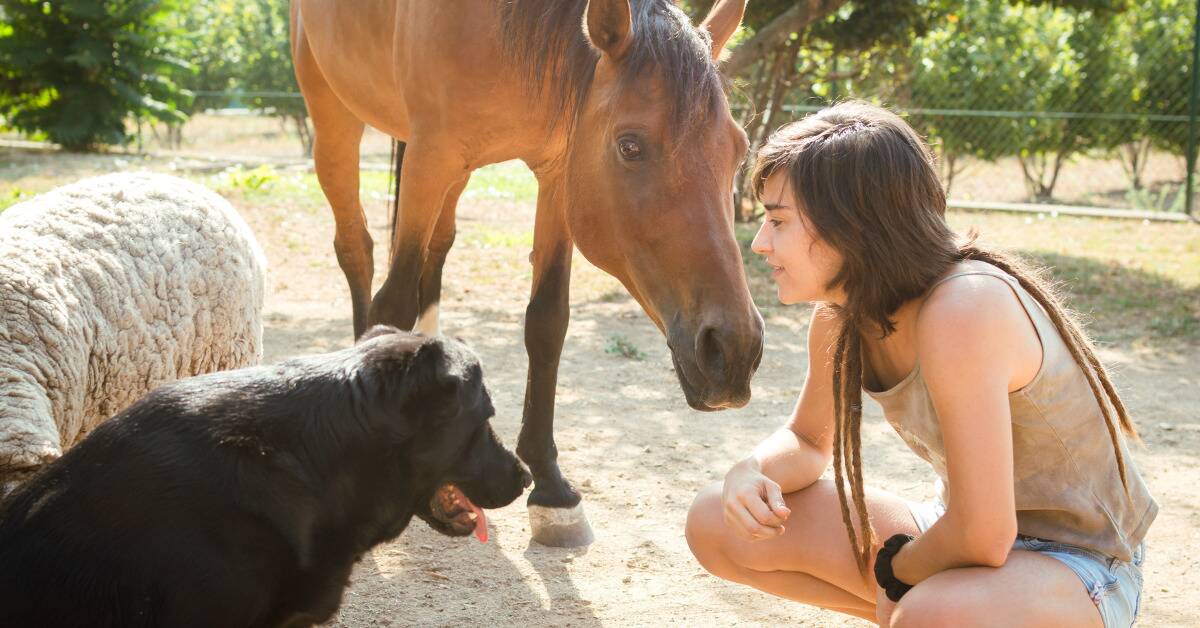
(110, 287)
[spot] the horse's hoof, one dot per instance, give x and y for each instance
(560, 527)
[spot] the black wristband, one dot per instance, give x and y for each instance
(883, 567)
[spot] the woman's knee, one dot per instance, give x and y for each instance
(705, 532)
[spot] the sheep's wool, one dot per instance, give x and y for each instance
(110, 287)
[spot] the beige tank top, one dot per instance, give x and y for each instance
(1068, 488)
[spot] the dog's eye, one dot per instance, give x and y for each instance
(629, 148)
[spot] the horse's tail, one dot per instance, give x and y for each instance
(397, 162)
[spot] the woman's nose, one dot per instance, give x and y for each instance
(762, 241)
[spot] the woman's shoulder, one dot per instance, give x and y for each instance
(965, 282)
(976, 312)
(971, 298)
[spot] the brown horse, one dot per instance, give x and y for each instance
(618, 109)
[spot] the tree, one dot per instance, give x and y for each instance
(1009, 59)
(1031, 80)
(938, 58)
(240, 50)
(267, 65)
(76, 70)
(1161, 55)
(206, 35)
(791, 50)
(954, 68)
(777, 33)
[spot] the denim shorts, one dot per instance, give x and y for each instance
(1114, 585)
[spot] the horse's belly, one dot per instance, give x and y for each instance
(353, 45)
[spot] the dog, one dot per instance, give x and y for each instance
(244, 498)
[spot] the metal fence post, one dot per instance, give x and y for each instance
(1189, 200)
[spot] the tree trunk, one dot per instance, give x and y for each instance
(782, 67)
(951, 167)
(1134, 156)
(770, 37)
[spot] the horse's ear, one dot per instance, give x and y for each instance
(610, 26)
(722, 22)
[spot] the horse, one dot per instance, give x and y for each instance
(619, 109)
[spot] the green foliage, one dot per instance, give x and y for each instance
(267, 59)
(858, 26)
(12, 196)
(999, 57)
(619, 345)
(1044, 81)
(880, 24)
(207, 35)
(257, 179)
(241, 47)
(1158, 47)
(759, 13)
(75, 70)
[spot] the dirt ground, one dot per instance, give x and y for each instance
(636, 451)
(639, 455)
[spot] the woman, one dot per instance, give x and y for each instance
(980, 370)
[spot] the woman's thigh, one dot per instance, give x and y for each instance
(814, 541)
(1031, 589)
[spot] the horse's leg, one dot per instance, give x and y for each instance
(337, 134)
(428, 176)
(431, 273)
(555, 512)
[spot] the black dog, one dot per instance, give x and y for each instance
(244, 498)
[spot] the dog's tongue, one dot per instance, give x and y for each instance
(481, 531)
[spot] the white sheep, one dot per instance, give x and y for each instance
(110, 287)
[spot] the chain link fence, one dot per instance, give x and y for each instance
(265, 126)
(1028, 106)
(1035, 105)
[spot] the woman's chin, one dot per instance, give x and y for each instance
(791, 297)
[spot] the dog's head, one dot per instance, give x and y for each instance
(453, 462)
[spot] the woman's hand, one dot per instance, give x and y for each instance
(754, 506)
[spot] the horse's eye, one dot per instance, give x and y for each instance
(630, 149)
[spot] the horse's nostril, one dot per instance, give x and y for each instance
(710, 354)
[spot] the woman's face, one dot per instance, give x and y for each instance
(803, 265)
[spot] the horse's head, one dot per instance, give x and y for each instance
(650, 169)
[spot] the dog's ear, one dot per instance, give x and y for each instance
(445, 376)
(377, 331)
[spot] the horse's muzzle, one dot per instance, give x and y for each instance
(716, 362)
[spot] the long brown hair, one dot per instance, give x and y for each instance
(867, 185)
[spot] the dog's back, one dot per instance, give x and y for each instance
(243, 498)
(107, 536)
(183, 510)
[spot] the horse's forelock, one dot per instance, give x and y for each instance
(668, 44)
(545, 38)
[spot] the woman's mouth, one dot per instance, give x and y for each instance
(776, 270)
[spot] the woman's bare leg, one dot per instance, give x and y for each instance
(1031, 589)
(811, 562)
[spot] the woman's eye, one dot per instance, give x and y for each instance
(775, 223)
(629, 148)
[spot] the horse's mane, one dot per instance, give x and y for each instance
(545, 39)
